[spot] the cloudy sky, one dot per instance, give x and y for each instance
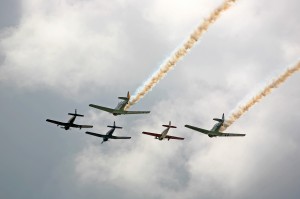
(59, 55)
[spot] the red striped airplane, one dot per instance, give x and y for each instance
(164, 135)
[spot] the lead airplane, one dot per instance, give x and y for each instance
(108, 135)
(164, 135)
(70, 123)
(119, 110)
(215, 131)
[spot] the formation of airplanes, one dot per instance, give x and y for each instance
(120, 110)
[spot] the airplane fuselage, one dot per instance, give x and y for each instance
(216, 129)
(109, 133)
(164, 134)
(72, 119)
(70, 122)
(120, 107)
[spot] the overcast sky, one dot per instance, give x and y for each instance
(59, 55)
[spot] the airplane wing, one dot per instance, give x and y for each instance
(198, 129)
(152, 134)
(118, 137)
(130, 112)
(213, 133)
(107, 136)
(81, 126)
(56, 122)
(174, 137)
(110, 110)
(95, 134)
(230, 134)
(86, 126)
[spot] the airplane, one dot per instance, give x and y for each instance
(215, 131)
(108, 134)
(164, 135)
(119, 110)
(70, 123)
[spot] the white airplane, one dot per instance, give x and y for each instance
(119, 110)
(215, 131)
(164, 135)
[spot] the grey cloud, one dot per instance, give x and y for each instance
(9, 13)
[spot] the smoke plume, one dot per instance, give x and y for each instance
(180, 53)
(266, 91)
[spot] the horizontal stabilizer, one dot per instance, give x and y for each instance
(169, 126)
(75, 114)
(115, 127)
(125, 98)
(218, 120)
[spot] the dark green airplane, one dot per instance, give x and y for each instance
(119, 110)
(215, 131)
(70, 123)
(108, 135)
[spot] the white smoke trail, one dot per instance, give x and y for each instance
(266, 91)
(180, 53)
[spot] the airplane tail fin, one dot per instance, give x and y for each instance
(114, 126)
(125, 98)
(75, 114)
(220, 120)
(169, 126)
